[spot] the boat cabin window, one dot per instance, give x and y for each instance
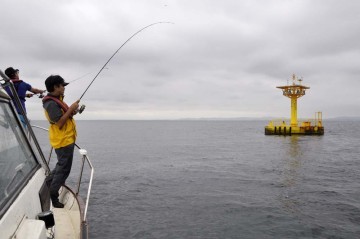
(16, 158)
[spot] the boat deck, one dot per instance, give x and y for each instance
(64, 226)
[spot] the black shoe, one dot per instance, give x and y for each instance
(58, 204)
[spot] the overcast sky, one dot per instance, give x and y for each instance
(220, 59)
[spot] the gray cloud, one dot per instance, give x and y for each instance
(218, 59)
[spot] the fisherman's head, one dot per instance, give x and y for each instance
(54, 82)
(12, 73)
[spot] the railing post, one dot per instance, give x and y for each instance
(80, 177)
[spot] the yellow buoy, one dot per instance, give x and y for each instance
(309, 127)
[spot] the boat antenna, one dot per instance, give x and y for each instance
(117, 52)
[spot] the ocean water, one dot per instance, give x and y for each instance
(221, 179)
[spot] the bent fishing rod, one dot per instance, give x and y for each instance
(102, 68)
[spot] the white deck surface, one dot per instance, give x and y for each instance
(63, 224)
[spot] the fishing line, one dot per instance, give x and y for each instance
(79, 78)
(117, 52)
(41, 95)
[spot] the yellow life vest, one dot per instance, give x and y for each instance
(61, 137)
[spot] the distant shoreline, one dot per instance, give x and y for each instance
(221, 119)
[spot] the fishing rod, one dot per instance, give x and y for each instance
(117, 52)
(102, 68)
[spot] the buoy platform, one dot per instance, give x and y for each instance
(279, 127)
(307, 127)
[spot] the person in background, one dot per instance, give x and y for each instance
(21, 88)
(62, 133)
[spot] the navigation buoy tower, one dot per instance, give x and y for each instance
(281, 127)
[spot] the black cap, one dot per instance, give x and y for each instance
(52, 80)
(10, 72)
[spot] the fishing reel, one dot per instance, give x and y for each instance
(81, 109)
(41, 95)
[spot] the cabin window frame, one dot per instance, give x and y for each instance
(20, 135)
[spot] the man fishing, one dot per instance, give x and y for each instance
(21, 88)
(62, 133)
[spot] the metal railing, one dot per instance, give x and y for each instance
(283, 122)
(83, 152)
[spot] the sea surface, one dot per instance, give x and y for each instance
(221, 179)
